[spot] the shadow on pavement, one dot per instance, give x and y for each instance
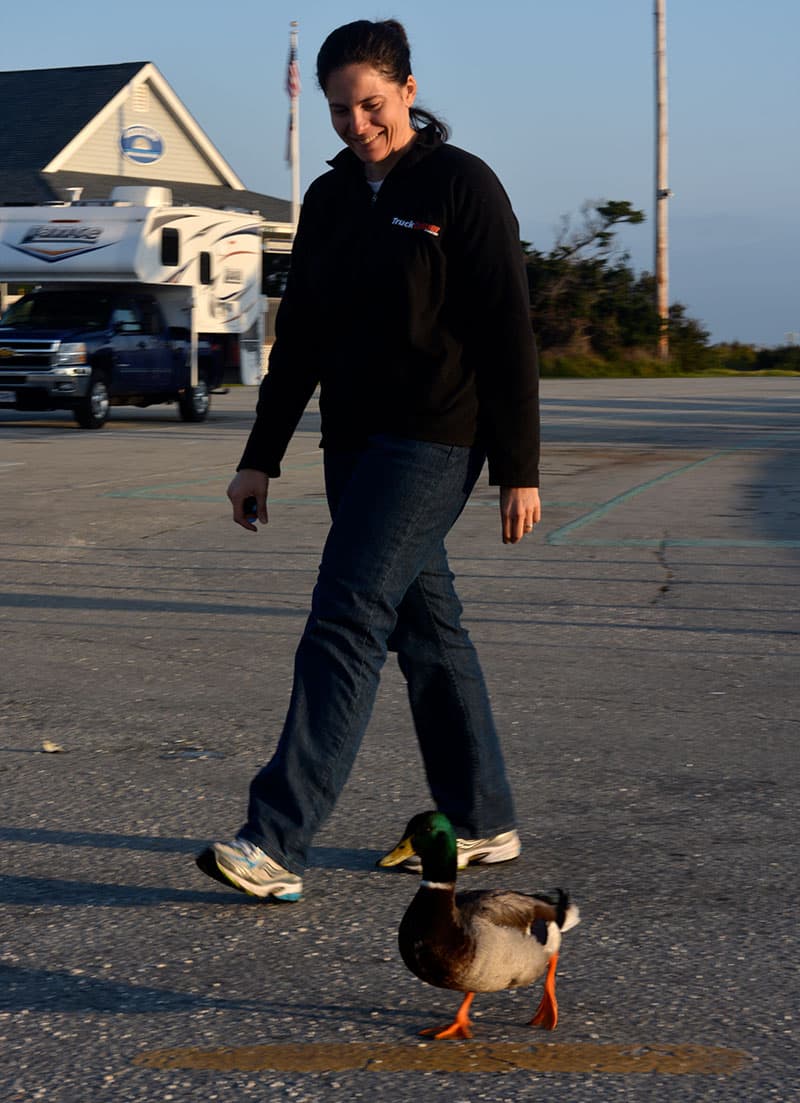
(320, 857)
(41, 990)
(46, 990)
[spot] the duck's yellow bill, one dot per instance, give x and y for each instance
(401, 852)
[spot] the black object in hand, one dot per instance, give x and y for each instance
(250, 507)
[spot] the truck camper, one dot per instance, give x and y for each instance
(135, 301)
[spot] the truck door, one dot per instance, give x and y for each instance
(158, 354)
(128, 345)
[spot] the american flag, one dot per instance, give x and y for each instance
(293, 91)
(293, 74)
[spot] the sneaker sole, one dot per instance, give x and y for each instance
(207, 863)
(505, 853)
(480, 858)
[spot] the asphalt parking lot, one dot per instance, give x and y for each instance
(643, 657)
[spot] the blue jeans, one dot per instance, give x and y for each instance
(384, 583)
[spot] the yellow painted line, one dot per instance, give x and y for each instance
(467, 1057)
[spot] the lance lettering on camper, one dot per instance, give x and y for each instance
(63, 233)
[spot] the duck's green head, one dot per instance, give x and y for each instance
(431, 836)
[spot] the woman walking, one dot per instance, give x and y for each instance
(407, 304)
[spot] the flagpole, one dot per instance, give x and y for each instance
(662, 187)
(294, 126)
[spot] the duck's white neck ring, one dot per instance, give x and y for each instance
(436, 884)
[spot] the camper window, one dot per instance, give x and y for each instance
(205, 268)
(170, 247)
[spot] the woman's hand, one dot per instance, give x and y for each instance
(248, 483)
(520, 509)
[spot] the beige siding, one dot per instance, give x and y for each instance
(181, 159)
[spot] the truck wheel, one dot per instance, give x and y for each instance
(194, 403)
(91, 411)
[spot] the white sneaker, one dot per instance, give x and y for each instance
(499, 848)
(245, 866)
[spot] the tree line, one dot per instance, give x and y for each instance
(593, 314)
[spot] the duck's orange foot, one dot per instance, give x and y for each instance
(546, 1015)
(547, 1012)
(460, 1026)
(455, 1030)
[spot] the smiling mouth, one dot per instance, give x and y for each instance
(367, 141)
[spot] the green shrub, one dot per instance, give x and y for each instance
(565, 366)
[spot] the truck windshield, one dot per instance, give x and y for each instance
(59, 310)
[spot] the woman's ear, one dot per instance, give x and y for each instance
(410, 91)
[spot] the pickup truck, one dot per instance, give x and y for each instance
(91, 347)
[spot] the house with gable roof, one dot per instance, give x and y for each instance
(97, 126)
(79, 132)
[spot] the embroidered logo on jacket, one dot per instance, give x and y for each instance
(412, 224)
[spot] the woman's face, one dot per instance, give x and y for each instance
(371, 115)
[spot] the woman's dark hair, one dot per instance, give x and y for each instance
(384, 46)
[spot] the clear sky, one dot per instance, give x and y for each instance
(557, 95)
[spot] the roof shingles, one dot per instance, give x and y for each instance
(42, 110)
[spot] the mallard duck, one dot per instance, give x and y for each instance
(482, 941)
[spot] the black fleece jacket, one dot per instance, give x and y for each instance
(410, 310)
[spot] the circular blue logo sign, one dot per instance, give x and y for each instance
(141, 144)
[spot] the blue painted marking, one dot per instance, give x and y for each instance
(163, 489)
(678, 542)
(560, 535)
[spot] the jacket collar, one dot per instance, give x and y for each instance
(428, 139)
